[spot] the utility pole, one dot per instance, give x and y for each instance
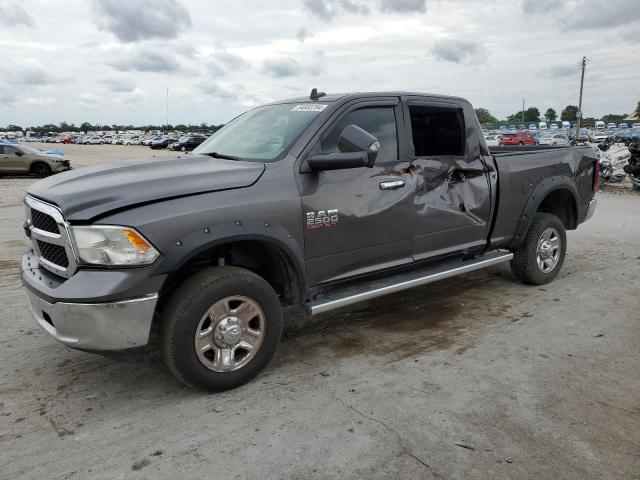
(523, 111)
(583, 64)
(167, 109)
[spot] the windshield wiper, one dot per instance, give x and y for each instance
(221, 155)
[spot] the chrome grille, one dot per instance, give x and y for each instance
(53, 253)
(44, 222)
(50, 237)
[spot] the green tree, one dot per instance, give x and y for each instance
(637, 112)
(13, 128)
(570, 113)
(615, 118)
(531, 114)
(550, 115)
(484, 116)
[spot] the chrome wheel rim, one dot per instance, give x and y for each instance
(230, 334)
(548, 251)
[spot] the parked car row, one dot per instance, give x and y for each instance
(174, 141)
(550, 137)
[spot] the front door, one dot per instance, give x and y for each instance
(12, 160)
(453, 191)
(359, 220)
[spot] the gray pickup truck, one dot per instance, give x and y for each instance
(320, 202)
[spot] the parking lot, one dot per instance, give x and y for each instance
(475, 377)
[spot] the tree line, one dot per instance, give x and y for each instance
(88, 127)
(532, 114)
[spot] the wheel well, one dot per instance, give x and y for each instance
(265, 259)
(34, 164)
(561, 204)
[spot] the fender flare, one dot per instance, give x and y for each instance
(537, 196)
(187, 247)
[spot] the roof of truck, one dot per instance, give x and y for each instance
(334, 97)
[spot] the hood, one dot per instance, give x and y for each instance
(88, 192)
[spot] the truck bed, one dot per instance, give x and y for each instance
(527, 174)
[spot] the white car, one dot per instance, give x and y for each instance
(135, 140)
(92, 141)
(554, 140)
(599, 136)
(611, 125)
(554, 126)
(492, 140)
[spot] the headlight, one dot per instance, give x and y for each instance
(112, 245)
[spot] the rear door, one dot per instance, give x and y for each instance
(359, 220)
(453, 200)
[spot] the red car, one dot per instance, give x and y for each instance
(69, 139)
(519, 138)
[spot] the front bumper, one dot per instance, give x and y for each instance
(591, 210)
(96, 326)
(62, 166)
(98, 310)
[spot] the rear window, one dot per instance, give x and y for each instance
(437, 131)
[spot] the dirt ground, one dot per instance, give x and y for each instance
(478, 377)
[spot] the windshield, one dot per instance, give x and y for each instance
(261, 134)
(31, 151)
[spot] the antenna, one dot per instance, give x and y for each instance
(315, 95)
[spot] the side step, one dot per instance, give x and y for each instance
(396, 283)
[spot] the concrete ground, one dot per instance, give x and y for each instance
(478, 377)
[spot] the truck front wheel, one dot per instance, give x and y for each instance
(539, 257)
(221, 328)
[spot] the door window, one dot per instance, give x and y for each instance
(378, 121)
(437, 131)
(8, 150)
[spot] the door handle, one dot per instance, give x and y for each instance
(392, 185)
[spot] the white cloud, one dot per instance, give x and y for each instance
(459, 51)
(13, 14)
(135, 20)
(495, 53)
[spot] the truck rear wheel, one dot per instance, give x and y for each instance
(540, 256)
(221, 328)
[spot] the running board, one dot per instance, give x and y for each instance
(400, 282)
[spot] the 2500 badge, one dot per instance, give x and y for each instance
(322, 219)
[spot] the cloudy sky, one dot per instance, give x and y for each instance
(111, 61)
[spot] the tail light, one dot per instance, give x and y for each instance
(597, 168)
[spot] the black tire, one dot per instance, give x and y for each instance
(185, 309)
(40, 170)
(524, 264)
(520, 143)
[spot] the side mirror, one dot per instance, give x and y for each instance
(18, 153)
(356, 139)
(358, 148)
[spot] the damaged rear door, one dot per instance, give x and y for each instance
(453, 196)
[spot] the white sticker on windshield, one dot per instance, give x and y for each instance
(309, 107)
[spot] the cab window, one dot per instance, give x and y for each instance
(378, 121)
(437, 131)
